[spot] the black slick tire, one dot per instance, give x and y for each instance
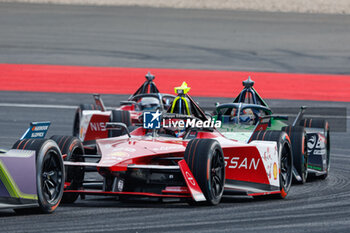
(49, 173)
(298, 140)
(72, 149)
(122, 117)
(285, 157)
(206, 161)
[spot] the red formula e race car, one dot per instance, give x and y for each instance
(90, 119)
(179, 155)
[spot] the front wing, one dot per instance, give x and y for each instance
(18, 188)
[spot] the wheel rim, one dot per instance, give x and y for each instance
(286, 167)
(51, 177)
(217, 174)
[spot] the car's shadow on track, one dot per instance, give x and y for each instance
(7, 213)
(110, 202)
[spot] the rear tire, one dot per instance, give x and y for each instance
(78, 114)
(206, 161)
(298, 140)
(49, 173)
(285, 157)
(73, 148)
(122, 117)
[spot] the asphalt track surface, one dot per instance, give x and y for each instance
(317, 206)
(168, 38)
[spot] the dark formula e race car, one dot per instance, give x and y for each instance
(90, 119)
(178, 154)
(32, 173)
(310, 138)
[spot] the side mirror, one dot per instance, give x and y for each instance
(117, 126)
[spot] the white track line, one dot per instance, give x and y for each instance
(340, 155)
(37, 106)
(18, 105)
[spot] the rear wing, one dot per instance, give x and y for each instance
(36, 130)
(99, 102)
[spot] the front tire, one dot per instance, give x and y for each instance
(284, 154)
(49, 173)
(206, 161)
(298, 140)
(73, 148)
